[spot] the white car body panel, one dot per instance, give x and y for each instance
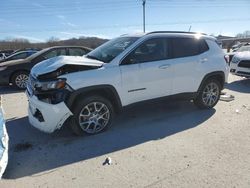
(54, 115)
(141, 81)
(59, 61)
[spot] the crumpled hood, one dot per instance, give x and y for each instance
(55, 63)
(243, 55)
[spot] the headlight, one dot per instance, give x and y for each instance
(235, 60)
(2, 68)
(50, 85)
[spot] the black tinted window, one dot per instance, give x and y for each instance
(19, 56)
(183, 47)
(50, 54)
(54, 53)
(203, 46)
(61, 52)
(151, 50)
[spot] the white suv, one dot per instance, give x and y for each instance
(87, 91)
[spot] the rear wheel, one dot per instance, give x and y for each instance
(209, 94)
(92, 115)
(20, 79)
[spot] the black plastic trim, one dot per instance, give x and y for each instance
(139, 89)
(73, 95)
(212, 74)
(179, 96)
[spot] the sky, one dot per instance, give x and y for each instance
(39, 20)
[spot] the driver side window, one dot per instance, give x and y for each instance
(151, 50)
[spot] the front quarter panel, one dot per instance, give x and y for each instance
(106, 75)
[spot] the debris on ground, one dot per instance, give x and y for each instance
(237, 111)
(226, 97)
(108, 161)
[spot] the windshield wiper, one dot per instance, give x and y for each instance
(93, 57)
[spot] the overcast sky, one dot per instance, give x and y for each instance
(38, 20)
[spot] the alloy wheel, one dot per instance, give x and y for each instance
(21, 81)
(94, 117)
(210, 94)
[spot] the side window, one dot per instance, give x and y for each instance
(61, 51)
(50, 54)
(76, 52)
(54, 53)
(203, 46)
(19, 56)
(151, 50)
(183, 47)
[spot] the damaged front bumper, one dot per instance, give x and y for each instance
(47, 117)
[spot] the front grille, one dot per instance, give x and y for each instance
(244, 63)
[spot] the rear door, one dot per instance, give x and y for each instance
(186, 60)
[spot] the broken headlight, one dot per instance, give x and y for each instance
(51, 85)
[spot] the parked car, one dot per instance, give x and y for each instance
(240, 49)
(240, 64)
(2, 56)
(18, 55)
(7, 52)
(16, 72)
(88, 91)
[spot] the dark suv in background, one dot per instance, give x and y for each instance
(16, 72)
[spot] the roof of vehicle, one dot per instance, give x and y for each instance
(172, 33)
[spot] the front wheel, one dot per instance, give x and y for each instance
(92, 115)
(209, 94)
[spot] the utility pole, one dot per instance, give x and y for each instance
(143, 4)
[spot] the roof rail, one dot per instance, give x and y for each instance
(184, 32)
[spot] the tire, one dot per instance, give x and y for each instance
(20, 79)
(95, 114)
(209, 94)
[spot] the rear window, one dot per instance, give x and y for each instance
(184, 47)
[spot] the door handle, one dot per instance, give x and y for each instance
(164, 66)
(203, 60)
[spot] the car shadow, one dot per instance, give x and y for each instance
(9, 90)
(32, 153)
(242, 86)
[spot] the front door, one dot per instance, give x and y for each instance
(147, 71)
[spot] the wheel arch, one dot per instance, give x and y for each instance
(106, 91)
(218, 75)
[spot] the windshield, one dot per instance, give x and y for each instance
(244, 48)
(108, 51)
